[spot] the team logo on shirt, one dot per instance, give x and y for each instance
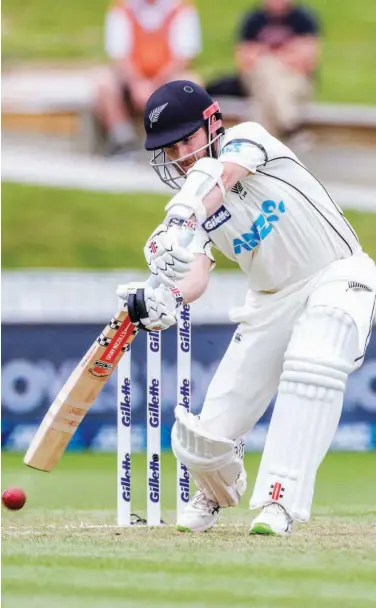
(237, 145)
(216, 220)
(239, 190)
(261, 227)
(355, 286)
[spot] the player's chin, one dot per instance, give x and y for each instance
(186, 168)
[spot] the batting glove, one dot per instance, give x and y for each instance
(165, 258)
(151, 308)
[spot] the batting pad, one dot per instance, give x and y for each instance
(213, 462)
(318, 360)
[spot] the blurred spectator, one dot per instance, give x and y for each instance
(149, 42)
(276, 59)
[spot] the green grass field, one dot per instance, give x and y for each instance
(48, 30)
(63, 548)
(52, 228)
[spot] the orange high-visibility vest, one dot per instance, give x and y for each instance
(151, 51)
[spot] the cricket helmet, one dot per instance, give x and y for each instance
(174, 112)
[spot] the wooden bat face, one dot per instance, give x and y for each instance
(79, 393)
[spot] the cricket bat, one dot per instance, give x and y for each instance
(87, 380)
(79, 393)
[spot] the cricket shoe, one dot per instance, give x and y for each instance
(273, 521)
(199, 515)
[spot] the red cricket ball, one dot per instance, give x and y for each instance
(13, 498)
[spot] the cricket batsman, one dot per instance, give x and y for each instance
(306, 320)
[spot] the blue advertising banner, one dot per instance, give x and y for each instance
(37, 359)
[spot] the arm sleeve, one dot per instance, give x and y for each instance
(245, 145)
(202, 244)
(118, 34)
(185, 34)
(306, 23)
(250, 27)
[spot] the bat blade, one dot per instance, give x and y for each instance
(79, 393)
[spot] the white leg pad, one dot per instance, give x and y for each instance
(213, 462)
(318, 359)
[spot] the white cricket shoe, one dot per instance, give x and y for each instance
(273, 520)
(199, 515)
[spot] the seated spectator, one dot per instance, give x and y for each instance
(149, 42)
(276, 59)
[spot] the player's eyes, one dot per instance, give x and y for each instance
(171, 149)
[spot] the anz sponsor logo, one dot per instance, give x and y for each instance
(185, 329)
(184, 483)
(216, 220)
(237, 146)
(153, 478)
(125, 404)
(185, 393)
(261, 227)
(154, 341)
(153, 403)
(125, 479)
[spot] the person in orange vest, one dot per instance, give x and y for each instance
(149, 42)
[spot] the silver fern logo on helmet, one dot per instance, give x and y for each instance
(155, 114)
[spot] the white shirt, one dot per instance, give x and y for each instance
(279, 223)
(184, 33)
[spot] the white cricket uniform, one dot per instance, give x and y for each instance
(297, 249)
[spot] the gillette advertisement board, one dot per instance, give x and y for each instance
(38, 358)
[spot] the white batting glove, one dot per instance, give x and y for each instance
(156, 307)
(165, 258)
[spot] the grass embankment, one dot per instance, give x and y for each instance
(61, 228)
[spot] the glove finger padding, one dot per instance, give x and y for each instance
(165, 280)
(122, 291)
(177, 257)
(212, 461)
(179, 254)
(166, 274)
(151, 308)
(170, 270)
(161, 306)
(164, 256)
(164, 240)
